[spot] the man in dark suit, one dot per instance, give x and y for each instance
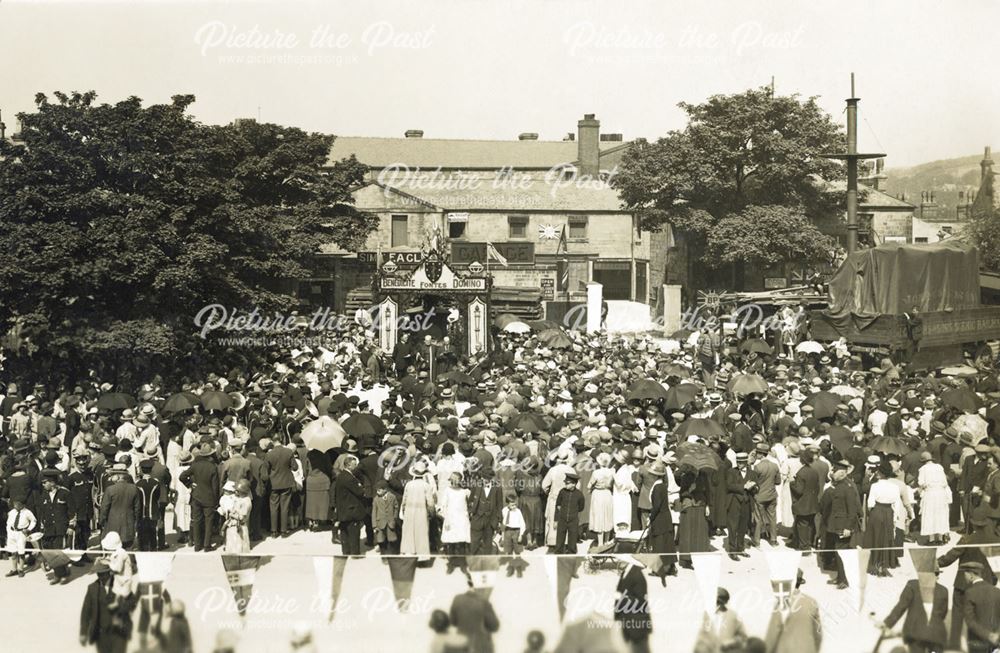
(150, 490)
(741, 484)
(473, 616)
(632, 608)
(981, 610)
(569, 503)
(968, 549)
(369, 473)
(54, 518)
(349, 495)
(259, 478)
(105, 618)
(805, 503)
(840, 510)
(121, 506)
(971, 480)
(281, 462)
(921, 635)
(203, 479)
(485, 512)
(766, 497)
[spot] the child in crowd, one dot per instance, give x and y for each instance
(513, 531)
(569, 503)
(20, 522)
(385, 518)
(120, 563)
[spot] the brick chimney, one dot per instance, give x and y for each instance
(986, 165)
(588, 145)
(414, 133)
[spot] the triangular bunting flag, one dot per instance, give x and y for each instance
(783, 570)
(402, 571)
(855, 563)
(323, 568)
(241, 572)
(339, 565)
(707, 570)
(925, 563)
(483, 573)
(551, 564)
(565, 571)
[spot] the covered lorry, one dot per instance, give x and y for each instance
(916, 302)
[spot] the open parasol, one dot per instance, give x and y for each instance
(809, 347)
(824, 404)
(555, 339)
(681, 395)
(323, 434)
(973, 424)
(845, 391)
(702, 427)
(181, 402)
(646, 389)
(888, 444)
(115, 401)
(216, 400)
(364, 425)
(517, 327)
(528, 422)
(756, 346)
(697, 455)
(963, 399)
(502, 320)
(543, 325)
(673, 369)
(744, 384)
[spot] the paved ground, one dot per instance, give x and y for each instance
(37, 617)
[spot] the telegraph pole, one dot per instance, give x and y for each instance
(852, 157)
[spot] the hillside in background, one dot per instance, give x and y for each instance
(945, 178)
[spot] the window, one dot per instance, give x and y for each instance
(920, 239)
(518, 226)
(456, 229)
(578, 227)
(400, 231)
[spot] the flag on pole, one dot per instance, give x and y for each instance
(402, 571)
(493, 253)
(241, 571)
(855, 563)
(562, 265)
(562, 247)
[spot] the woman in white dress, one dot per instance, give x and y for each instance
(624, 490)
(456, 531)
(601, 507)
(414, 511)
(935, 500)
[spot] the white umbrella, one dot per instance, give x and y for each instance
(974, 424)
(517, 327)
(959, 370)
(323, 434)
(845, 391)
(809, 347)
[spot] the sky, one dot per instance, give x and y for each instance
(492, 69)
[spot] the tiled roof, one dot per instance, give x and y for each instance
(535, 192)
(458, 154)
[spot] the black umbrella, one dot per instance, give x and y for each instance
(681, 395)
(181, 402)
(697, 455)
(824, 404)
(363, 424)
(757, 346)
(528, 422)
(701, 427)
(963, 399)
(646, 389)
(216, 400)
(115, 401)
(841, 438)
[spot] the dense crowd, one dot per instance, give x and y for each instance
(553, 439)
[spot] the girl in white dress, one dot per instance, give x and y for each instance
(624, 488)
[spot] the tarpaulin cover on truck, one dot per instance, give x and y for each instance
(893, 279)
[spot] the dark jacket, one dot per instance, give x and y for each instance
(349, 496)
(280, 461)
(569, 503)
(962, 552)
(121, 507)
(805, 492)
(661, 522)
(768, 476)
(54, 512)
(95, 616)
(917, 626)
(840, 507)
(485, 510)
(473, 616)
(81, 488)
(203, 479)
(151, 491)
(982, 614)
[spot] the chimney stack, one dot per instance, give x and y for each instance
(414, 133)
(588, 146)
(986, 165)
(527, 136)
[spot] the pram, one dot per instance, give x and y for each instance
(623, 542)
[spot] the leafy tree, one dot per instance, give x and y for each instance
(737, 151)
(767, 235)
(120, 222)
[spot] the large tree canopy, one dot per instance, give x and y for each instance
(121, 221)
(749, 149)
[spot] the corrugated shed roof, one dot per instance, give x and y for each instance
(483, 192)
(463, 154)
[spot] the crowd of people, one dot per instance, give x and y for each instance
(569, 442)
